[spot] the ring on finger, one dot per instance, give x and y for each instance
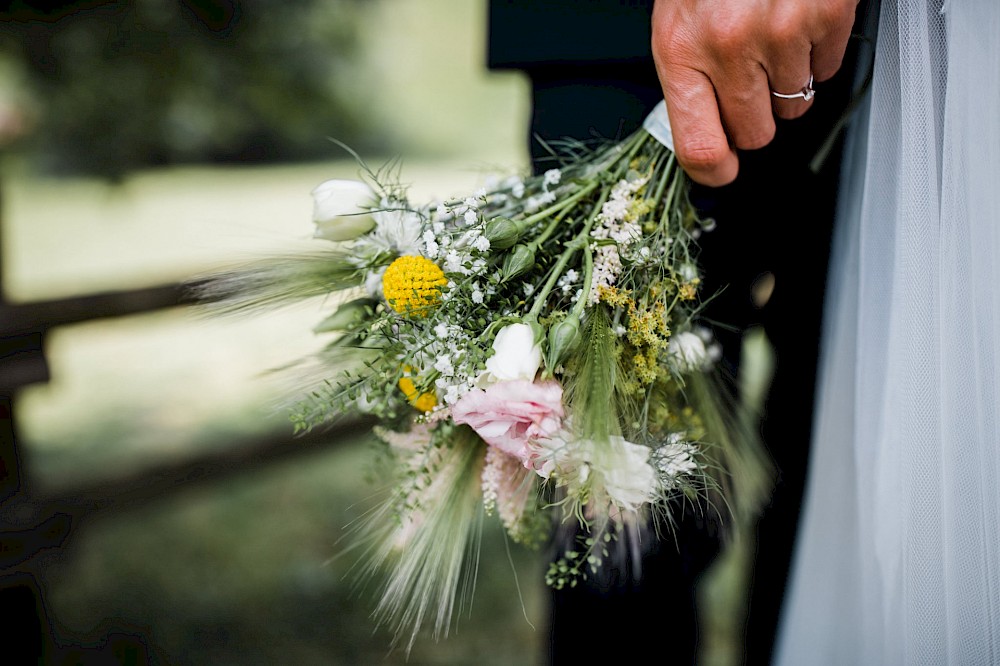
(807, 92)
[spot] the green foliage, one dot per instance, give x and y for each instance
(121, 85)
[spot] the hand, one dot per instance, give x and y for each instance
(719, 60)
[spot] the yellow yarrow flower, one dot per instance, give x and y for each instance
(425, 402)
(614, 296)
(411, 285)
(689, 290)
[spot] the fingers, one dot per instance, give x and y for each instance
(828, 52)
(719, 62)
(700, 142)
(789, 73)
(745, 107)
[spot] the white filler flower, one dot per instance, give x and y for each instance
(341, 209)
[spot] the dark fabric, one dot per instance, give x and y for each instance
(526, 34)
(598, 103)
(776, 218)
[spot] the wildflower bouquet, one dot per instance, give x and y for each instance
(532, 351)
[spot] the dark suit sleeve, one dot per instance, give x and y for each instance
(528, 34)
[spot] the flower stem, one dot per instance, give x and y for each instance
(563, 205)
(588, 276)
(571, 247)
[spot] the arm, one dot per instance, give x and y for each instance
(719, 60)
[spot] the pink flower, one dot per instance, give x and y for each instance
(509, 415)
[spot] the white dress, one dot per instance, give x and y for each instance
(898, 559)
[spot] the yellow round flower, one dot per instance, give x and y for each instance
(411, 285)
(425, 402)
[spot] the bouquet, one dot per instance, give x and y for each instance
(533, 353)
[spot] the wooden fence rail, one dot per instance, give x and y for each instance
(34, 522)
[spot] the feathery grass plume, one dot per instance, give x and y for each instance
(742, 472)
(591, 388)
(277, 281)
(423, 541)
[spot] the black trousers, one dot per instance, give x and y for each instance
(775, 219)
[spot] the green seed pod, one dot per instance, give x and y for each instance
(347, 316)
(519, 261)
(563, 338)
(502, 232)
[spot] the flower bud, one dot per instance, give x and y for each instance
(345, 317)
(502, 232)
(516, 354)
(688, 351)
(563, 337)
(520, 260)
(340, 209)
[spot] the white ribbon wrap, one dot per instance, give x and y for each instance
(658, 125)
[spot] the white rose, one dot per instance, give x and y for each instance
(688, 350)
(340, 209)
(628, 477)
(516, 355)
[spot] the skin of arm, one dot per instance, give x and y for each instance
(719, 60)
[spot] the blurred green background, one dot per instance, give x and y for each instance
(154, 141)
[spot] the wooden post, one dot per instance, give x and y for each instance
(10, 462)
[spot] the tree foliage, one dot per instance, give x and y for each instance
(119, 85)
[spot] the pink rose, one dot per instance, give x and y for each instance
(509, 415)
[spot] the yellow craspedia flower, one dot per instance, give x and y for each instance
(411, 285)
(425, 402)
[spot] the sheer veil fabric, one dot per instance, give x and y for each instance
(898, 560)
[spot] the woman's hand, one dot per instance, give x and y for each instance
(719, 60)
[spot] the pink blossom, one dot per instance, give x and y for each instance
(509, 415)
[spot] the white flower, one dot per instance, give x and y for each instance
(444, 365)
(688, 350)
(453, 262)
(551, 177)
(482, 244)
(398, 229)
(441, 330)
(628, 477)
(341, 209)
(471, 217)
(516, 355)
(517, 189)
(675, 459)
(688, 271)
(373, 282)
